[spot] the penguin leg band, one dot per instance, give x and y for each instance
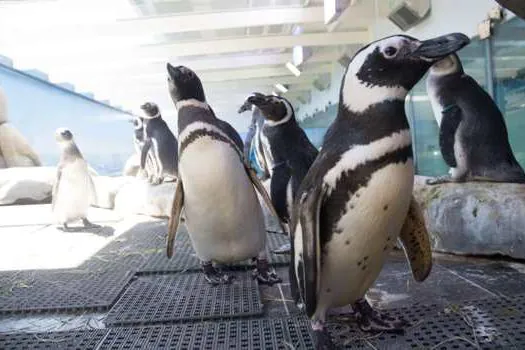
(213, 276)
(370, 320)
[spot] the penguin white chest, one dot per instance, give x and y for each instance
(353, 257)
(437, 108)
(223, 214)
(73, 192)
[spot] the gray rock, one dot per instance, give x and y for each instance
(137, 196)
(106, 188)
(26, 185)
(477, 218)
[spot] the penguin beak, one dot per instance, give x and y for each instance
(258, 99)
(440, 47)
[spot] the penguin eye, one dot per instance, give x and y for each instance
(390, 51)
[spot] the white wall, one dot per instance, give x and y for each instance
(446, 16)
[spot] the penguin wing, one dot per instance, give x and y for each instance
(144, 152)
(447, 131)
(308, 215)
(260, 188)
(416, 242)
(54, 194)
(173, 224)
(92, 190)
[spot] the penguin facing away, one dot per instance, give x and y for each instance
(473, 137)
(150, 167)
(73, 188)
(215, 186)
(160, 142)
(291, 150)
(356, 199)
(253, 139)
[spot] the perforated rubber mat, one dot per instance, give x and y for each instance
(72, 340)
(238, 334)
(184, 258)
(484, 324)
(157, 299)
(94, 285)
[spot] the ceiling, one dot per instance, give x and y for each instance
(118, 49)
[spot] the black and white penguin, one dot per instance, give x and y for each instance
(215, 186)
(253, 138)
(472, 133)
(160, 141)
(150, 167)
(73, 190)
(356, 199)
(289, 148)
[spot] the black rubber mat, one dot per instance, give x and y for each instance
(157, 299)
(238, 334)
(94, 285)
(72, 340)
(184, 258)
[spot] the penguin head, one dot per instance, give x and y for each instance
(184, 84)
(151, 110)
(246, 106)
(447, 66)
(63, 135)
(400, 61)
(137, 123)
(273, 108)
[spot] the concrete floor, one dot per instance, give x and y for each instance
(85, 282)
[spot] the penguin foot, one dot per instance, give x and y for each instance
(440, 180)
(263, 274)
(284, 249)
(214, 276)
(89, 224)
(370, 320)
(65, 228)
(321, 338)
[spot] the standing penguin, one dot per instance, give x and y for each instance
(158, 139)
(73, 189)
(288, 146)
(472, 133)
(150, 167)
(253, 138)
(356, 199)
(216, 188)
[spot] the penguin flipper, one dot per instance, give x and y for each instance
(262, 191)
(144, 152)
(54, 194)
(173, 223)
(308, 215)
(447, 131)
(92, 190)
(416, 242)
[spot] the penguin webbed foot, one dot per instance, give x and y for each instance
(263, 274)
(89, 224)
(371, 320)
(439, 180)
(214, 276)
(321, 337)
(65, 228)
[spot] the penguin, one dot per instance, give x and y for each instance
(288, 146)
(15, 151)
(158, 139)
(150, 167)
(73, 189)
(215, 186)
(356, 199)
(253, 139)
(473, 137)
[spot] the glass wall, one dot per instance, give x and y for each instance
(497, 64)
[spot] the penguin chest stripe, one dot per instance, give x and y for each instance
(362, 154)
(195, 135)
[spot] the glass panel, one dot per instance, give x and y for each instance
(425, 130)
(509, 80)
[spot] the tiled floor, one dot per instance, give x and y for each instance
(80, 303)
